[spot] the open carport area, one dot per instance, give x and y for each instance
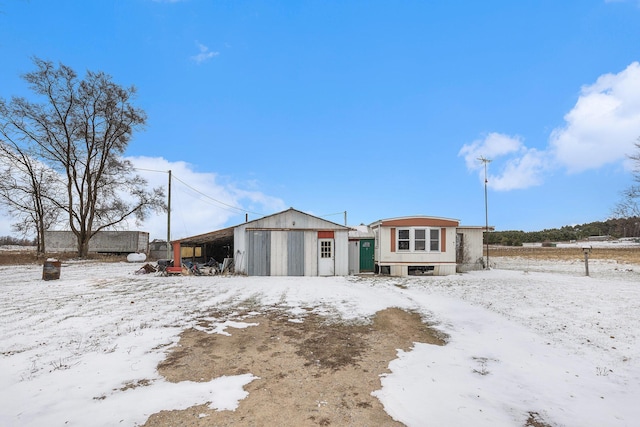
(202, 248)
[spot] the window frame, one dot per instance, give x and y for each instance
(430, 242)
(401, 240)
(326, 249)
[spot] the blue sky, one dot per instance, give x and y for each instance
(376, 108)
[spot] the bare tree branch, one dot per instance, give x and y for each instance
(81, 130)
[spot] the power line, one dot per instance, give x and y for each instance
(203, 194)
(336, 213)
(216, 200)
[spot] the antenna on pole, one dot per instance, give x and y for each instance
(169, 217)
(486, 161)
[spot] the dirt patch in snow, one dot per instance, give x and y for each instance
(314, 372)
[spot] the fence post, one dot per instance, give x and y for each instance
(586, 250)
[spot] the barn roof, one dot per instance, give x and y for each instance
(226, 234)
(212, 237)
(296, 212)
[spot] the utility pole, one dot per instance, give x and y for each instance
(486, 161)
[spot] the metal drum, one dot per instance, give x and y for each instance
(51, 269)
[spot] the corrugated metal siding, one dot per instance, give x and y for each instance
(311, 253)
(341, 247)
(259, 253)
(354, 256)
(293, 219)
(285, 257)
(278, 253)
(295, 253)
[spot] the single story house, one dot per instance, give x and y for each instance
(420, 245)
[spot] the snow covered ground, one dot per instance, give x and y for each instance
(525, 337)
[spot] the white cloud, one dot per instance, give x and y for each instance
(204, 55)
(603, 125)
(600, 129)
(519, 167)
(200, 201)
(520, 172)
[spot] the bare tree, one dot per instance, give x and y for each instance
(629, 206)
(27, 190)
(81, 130)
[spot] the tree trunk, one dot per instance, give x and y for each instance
(83, 244)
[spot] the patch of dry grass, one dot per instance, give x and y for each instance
(628, 255)
(26, 257)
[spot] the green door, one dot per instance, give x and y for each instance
(366, 255)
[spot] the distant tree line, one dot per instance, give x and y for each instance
(616, 228)
(13, 241)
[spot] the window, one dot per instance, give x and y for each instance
(418, 239)
(403, 239)
(325, 249)
(420, 270)
(435, 239)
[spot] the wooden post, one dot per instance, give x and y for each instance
(586, 250)
(177, 254)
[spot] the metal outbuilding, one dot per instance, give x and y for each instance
(291, 243)
(288, 243)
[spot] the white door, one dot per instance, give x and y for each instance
(326, 257)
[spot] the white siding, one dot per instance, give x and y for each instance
(280, 225)
(354, 256)
(385, 254)
(473, 249)
(342, 252)
(240, 248)
(279, 253)
(444, 262)
(311, 253)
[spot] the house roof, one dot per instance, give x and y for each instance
(293, 211)
(212, 237)
(361, 232)
(227, 233)
(416, 220)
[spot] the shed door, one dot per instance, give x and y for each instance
(366, 255)
(295, 253)
(326, 257)
(259, 262)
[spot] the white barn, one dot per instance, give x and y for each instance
(291, 243)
